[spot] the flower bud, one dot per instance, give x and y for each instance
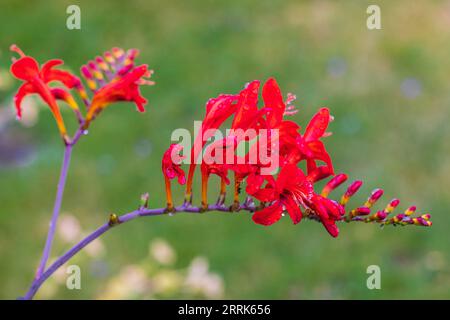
(351, 190)
(333, 184)
(376, 194)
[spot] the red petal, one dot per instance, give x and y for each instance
(46, 67)
(170, 163)
(334, 209)
(318, 125)
(268, 215)
(331, 227)
(24, 90)
(317, 151)
(288, 134)
(247, 107)
(65, 77)
(140, 101)
(180, 174)
(318, 173)
(254, 182)
(217, 111)
(25, 68)
(266, 194)
(293, 209)
(273, 101)
(288, 126)
(287, 173)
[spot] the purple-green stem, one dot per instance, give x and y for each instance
(56, 209)
(142, 212)
(247, 206)
(58, 201)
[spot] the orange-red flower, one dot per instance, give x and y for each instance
(36, 81)
(171, 164)
(287, 192)
(311, 147)
(286, 131)
(273, 103)
(247, 114)
(218, 110)
(171, 168)
(125, 87)
(328, 211)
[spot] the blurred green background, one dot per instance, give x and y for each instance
(388, 89)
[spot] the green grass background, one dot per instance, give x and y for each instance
(200, 49)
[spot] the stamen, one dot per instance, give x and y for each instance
(16, 49)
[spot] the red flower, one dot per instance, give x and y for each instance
(247, 114)
(273, 103)
(287, 131)
(171, 168)
(171, 164)
(125, 87)
(328, 211)
(311, 147)
(218, 110)
(288, 191)
(36, 81)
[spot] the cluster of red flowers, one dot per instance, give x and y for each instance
(291, 189)
(112, 77)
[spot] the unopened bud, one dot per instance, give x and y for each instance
(351, 190)
(376, 194)
(144, 200)
(333, 184)
(410, 210)
(113, 219)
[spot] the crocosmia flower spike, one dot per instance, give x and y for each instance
(285, 189)
(36, 81)
(113, 78)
